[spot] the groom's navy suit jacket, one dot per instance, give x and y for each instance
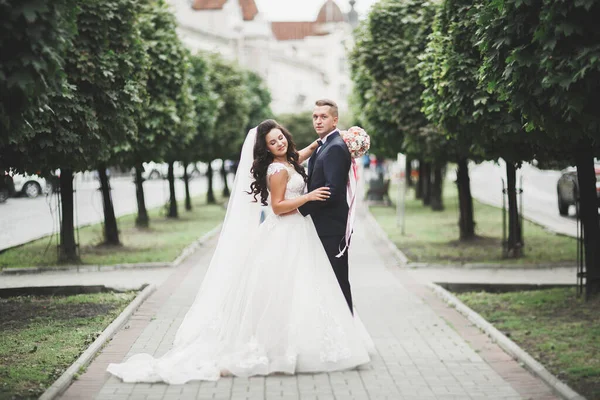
(329, 166)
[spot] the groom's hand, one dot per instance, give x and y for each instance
(336, 175)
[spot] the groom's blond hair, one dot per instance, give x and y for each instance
(333, 107)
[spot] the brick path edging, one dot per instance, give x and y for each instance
(569, 266)
(63, 382)
(510, 347)
(186, 252)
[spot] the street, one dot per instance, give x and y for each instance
(23, 219)
(539, 194)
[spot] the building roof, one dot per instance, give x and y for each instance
(293, 30)
(249, 9)
(330, 12)
(208, 4)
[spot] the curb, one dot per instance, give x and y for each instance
(64, 381)
(99, 268)
(400, 256)
(417, 265)
(510, 347)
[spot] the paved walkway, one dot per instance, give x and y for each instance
(426, 349)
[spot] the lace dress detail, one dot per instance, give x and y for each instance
(296, 186)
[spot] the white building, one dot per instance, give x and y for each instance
(300, 61)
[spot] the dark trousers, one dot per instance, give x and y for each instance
(332, 245)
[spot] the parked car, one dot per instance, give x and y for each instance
(567, 186)
(30, 185)
(7, 187)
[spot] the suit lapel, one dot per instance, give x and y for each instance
(311, 163)
(313, 158)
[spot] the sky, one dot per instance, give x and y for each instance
(305, 10)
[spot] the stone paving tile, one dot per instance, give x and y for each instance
(423, 350)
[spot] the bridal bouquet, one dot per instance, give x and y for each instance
(358, 143)
(357, 140)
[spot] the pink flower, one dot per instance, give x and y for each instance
(357, 140)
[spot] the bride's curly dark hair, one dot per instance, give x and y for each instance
(263, 158)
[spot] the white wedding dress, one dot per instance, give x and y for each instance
(270, 302)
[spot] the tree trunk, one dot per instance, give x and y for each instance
(408, 171)
(437, 187)
(515, 238)
(210, 194)
(226, 192)
(466, 221)
(142, 220)
(186, 181)
(68, 248)
(419, 188)
(588, 212)
(111, 231)
(172, 199)
(426, 189)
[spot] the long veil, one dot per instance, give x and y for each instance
(235, 242)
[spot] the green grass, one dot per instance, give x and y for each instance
(162, 242)
(556, 327)
(42, 336)
(433, 236)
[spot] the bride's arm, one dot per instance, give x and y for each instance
(278, 182)
(306, 152)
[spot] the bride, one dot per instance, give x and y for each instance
(270, 301)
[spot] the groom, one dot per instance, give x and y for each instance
(329, 166)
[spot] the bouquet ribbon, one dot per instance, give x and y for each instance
(351, 198)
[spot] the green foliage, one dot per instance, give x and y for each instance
(206, 103)
(386, 137)
(544, 57)
(229, 83)
(448, 71)
(93, 116)
(385, 72)
(478, 123)
(34, 36)
(260, 100)
(229, 101)
(186, 110)
(300, 126)
(166, 121)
